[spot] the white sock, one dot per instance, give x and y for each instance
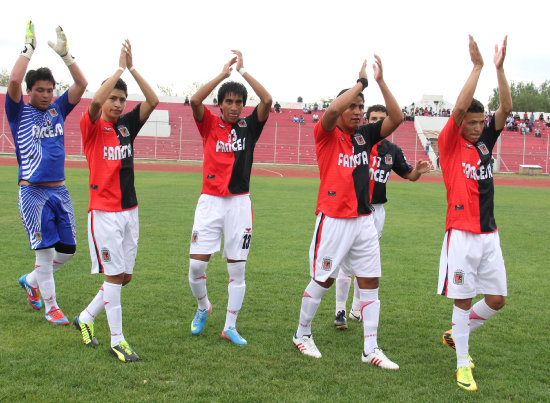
(113, 309)
(31, 279)
(370, 314)
(479, 313)
(59, 259)
(356, 305)
(343, 283)
(235, 290)
(310, 302)
(94, 308)
(197, 282)
(461, 335)
(44, 277)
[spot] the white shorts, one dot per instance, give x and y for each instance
(471, 264)
(379, 215)
(351, 243)
(231, 215)
(113, 240)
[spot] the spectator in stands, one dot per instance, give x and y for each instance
(541, 117)
(537, 132)
(315, 107)
(277, 107)
(301, 120)
(186, 102)
(548, 121)
(532, 117)
(296, 119)
(315, 118)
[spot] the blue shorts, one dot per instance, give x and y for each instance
(47, 215)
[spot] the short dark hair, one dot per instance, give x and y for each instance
(232, 87)
(347, 89)
(120, 85)
(476, 107)
(376, 108)
(41, 74)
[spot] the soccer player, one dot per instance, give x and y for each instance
(224, 205)
(471, 258)
(38, 133)
(344, 232)
(113, 227)
(385, 157)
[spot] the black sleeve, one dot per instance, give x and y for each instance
(400, 166)
(371, 132)
(254, 124)
(131, 121)
(490, 134)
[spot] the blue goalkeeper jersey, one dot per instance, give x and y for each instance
(39, 138)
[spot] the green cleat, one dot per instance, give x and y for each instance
(124, 352)
(86, 330)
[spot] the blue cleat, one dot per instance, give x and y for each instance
(234, 336)
(32, 293)
(199, 320)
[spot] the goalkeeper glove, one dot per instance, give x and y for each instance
(30, 41)
(61, 47)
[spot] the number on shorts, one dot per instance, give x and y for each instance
(246, 240)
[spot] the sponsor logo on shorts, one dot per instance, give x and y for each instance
(331, 193)
(210, 176)
(359, 139)
(388, 159)
(483, 148)
(458, 277)
(53, 112)
(327, 263)
(459, 207)
(195, 237)
(242, 123)
(124, 131)
(105, 255)
(38, 236)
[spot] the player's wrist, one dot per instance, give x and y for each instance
(68, 59)
(131, 69)
(241, 71)
(27, 51)
(121, 69)
(363, 81)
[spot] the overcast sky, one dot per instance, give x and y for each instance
(294, 48)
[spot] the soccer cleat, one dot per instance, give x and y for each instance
(234, 336)
(307, 346)
(87, 331)
(32, 293)
(465, 379)
(124, 352)
(341, 322)
(377, 357)
(56, 317)
(199, 320)
(449, 341)
(355, 315)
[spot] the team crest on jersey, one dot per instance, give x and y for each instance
(195, 237)
(327, 263)
(242, 123)
(105, 255)
(458, 277)
(124, 131)
(483, 148)
(38, 236)
(53, 112)
(388, 159)
(359, 138)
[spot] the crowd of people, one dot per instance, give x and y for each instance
(354, 161)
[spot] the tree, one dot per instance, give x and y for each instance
(167, 90)
(526, 97)
(4, 78)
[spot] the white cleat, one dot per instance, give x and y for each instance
(307, 346)
(379, 358)
(355, 315)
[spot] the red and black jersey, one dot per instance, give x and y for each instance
(468, 175)
(385, 157)
(343, 160)
(109, 149)
(228, 153)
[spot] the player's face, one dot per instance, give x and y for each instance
(41, 94)
(350, 119)
(376, 116)
(231, 107)
(472, 126)
(114, 105)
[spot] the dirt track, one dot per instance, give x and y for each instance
(297, 172)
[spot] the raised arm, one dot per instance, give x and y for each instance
(395, 116)
(105, 90)
(341, 103)
(421, 168)
(265, 98)
(60, 47)
(206, 89)
(467, 93)
(21, 64)
(504, 93)
(151, 99)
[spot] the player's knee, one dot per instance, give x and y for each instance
(495, 302)
(66, 249)
(197, 268)
(127, 279)
(236, 272)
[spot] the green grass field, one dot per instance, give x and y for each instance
(43, 362)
